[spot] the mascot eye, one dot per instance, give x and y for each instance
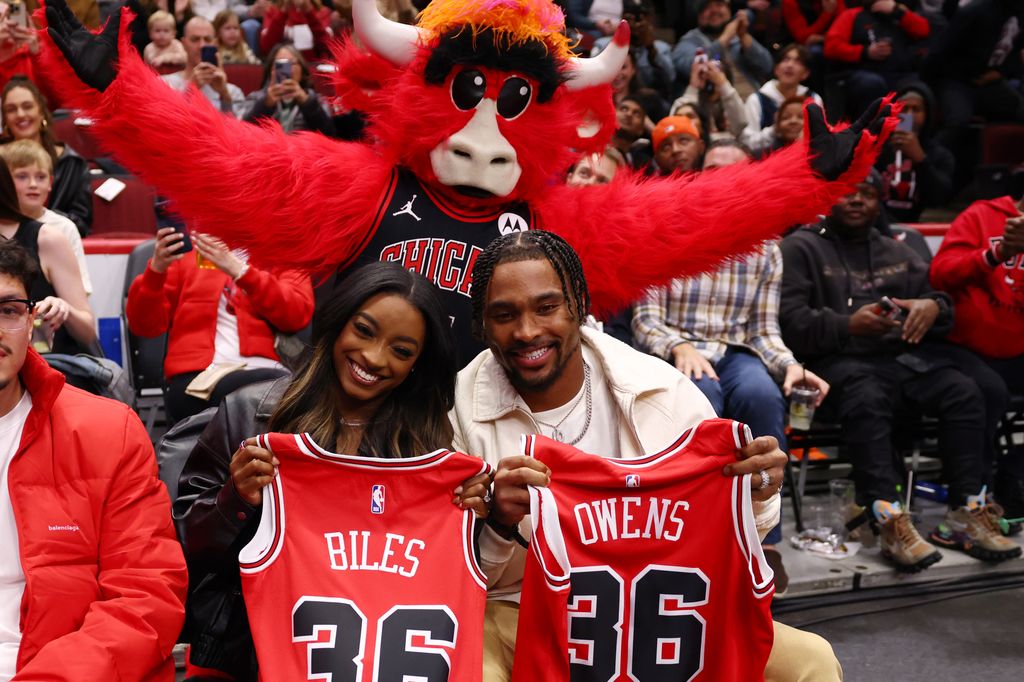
(514, 97)
(468, 89)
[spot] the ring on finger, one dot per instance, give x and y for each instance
(766, 480)
(487, 497)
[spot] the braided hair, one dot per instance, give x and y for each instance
(530, 245)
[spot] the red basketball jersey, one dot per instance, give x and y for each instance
(362, 570)
(645, 570)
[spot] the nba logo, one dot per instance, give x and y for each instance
(377, 499)
(633, 481)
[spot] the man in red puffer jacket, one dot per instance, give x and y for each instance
(92, 579)
(981, 265)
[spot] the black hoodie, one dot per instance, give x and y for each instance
(825, 279)
(921, 185)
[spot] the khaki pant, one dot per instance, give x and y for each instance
(797, 656)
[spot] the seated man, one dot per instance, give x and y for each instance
(980, 264)
(882, 42)
(677, 146)
(630, 132)
(92, 579)
(545, 373)
(722, 331)
(838, 279)
(653, 57)
(209, 78)
(726, 38)
(917, 168)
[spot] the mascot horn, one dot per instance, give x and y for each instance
(475, 115)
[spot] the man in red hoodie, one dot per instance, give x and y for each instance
(981, 265)
(92, 578)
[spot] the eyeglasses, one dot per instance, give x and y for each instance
(14, 313)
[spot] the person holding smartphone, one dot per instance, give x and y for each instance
(287, 95)
(227, 314)
(202, 69)
(18, 42)
(917, 168)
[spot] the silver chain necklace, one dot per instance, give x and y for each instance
(556, 434)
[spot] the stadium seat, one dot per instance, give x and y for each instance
(1002, 144)
(145, 355)
(78, 137)
(248, 77)
(130, 213)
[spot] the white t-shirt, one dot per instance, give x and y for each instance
(69, 230)
(602, 436)
(12, 579)
(225, 343)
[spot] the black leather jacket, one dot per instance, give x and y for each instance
(72, 191)
(214, 523)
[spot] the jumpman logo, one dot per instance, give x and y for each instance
(408, 209)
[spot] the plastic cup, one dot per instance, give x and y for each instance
(843, 505)
(802, 400)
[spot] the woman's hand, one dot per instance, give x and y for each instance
(475, 494)
(292, 89)
(252, 469)
(53, 311)
(168, 244)
(217, 252)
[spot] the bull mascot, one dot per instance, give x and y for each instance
(474, 116)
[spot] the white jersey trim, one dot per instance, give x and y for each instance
(265, 546)
(747, 538)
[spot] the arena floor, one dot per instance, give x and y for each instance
(959, 620)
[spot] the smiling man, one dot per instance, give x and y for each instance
(545, 373)
(92, 579)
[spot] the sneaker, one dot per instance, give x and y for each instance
(1007, 527)
(901, 543)
(972, 529)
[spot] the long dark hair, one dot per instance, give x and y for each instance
(268, 65)
(46, 136)
(414, 417)
(9, 208)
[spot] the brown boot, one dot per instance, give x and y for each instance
(903, 545)
(974, 531)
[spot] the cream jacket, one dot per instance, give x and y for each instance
(655, 401)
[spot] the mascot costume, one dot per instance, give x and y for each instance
(475, 115)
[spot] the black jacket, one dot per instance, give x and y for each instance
(214, 523)
(921, 185)
(825, 280)
(72, 193)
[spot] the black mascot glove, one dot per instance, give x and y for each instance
(93, 57)
(832, 153)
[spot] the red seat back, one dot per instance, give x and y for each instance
(131, 211)
(248, 77)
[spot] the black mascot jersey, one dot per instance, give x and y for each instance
(423, 233)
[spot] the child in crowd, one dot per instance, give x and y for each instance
(164, 49)
(32, 170)
(231, 45)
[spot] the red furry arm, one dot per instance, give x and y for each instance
(637, 233)
(293, 201)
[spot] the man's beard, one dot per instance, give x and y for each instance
(626, 135)
(543, 383)
(713, 31)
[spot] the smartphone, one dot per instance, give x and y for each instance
(282, 70)
(186, 242)
(906, 123)
(889, 309)
(18, 14)
(208, 54)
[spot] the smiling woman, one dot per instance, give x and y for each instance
(27, 117)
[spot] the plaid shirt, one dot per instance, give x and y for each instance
(736, 306)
